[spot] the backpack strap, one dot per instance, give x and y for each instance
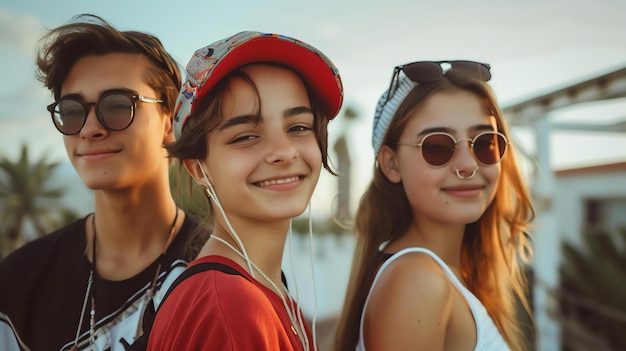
(198, 268)
(141, 344)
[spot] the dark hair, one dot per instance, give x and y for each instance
(92, 35)
(491, 246)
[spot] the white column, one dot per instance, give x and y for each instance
(546, 243)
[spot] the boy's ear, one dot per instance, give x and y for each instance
(388, 163)
(168, 136)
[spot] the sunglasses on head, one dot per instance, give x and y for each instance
(438, 148)
(429, 71)
(115, 109)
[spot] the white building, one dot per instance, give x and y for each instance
(567, 201)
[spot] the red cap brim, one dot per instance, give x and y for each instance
(319, 75)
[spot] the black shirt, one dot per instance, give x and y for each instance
(43, 287)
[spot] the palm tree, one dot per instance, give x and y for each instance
(27, 201)
(592, 294)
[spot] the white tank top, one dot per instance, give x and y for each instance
(488, 336)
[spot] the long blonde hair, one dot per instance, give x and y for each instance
(494, 247)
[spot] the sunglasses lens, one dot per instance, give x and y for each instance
(423, 72)
(437, 149)
(68, 116)
(428, 71)
(476, 68)
(489, 148)
(116, 111)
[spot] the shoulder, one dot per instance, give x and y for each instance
(412, 274)
(42, 249)
(410, 304)
(213, 291)
(47, 264)
(226, 307)
(226, 292)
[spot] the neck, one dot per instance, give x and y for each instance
(445, 240)
(263, 243)
(130, 222)
(132, 231)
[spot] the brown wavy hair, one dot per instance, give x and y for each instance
(90, 35)
(494, 247)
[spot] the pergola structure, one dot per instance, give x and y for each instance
(534, 113)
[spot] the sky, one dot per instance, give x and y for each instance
(533, 46)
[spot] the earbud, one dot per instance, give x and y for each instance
(206, 190)
(207, 187)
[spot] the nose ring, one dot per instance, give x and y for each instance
(458, 174)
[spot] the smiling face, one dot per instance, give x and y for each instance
(267, 170)
(438, 194)
(117, 159)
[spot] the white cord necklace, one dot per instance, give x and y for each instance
(82, 313)
(90, 282)
(297, 325)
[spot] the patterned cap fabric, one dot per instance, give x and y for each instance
(385, 109)
(211, 63)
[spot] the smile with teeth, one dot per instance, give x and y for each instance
(277, 181)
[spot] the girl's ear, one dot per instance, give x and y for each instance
(388, 163)
(193, 168)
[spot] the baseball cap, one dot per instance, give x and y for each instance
(211, 63)
(386, 108)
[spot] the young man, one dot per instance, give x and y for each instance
(87, 285)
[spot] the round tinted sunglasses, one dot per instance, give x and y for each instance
(429, 71)
(115, 109)
(438, 148)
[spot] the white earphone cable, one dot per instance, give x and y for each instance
(294, 316)
(313, 322)
(218, 204)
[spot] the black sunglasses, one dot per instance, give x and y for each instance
(115, 109)
(438, 148)
(429, 71)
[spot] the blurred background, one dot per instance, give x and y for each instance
(559, 72)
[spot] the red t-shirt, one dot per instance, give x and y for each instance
(213, 310)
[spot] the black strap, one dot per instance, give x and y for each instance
(198, 268)
(149, 315)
